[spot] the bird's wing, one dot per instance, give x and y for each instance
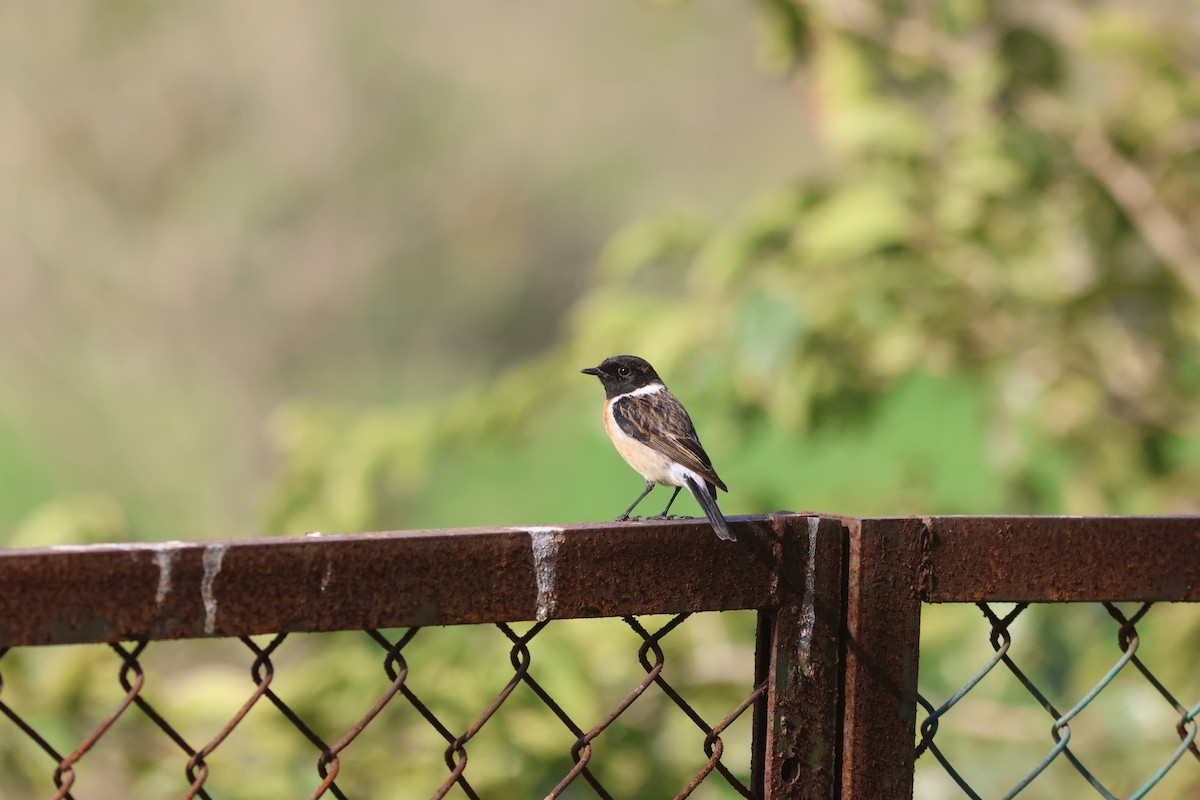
(660, 421)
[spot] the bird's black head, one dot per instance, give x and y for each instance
(621, 374)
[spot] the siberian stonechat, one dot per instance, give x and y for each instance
(654, 434)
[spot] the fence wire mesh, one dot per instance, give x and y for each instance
(537, 725)
(1059, 716)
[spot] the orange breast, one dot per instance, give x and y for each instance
(650, 464)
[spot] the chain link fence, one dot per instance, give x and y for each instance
(581, 662)
(1063, 717)
(435, 725)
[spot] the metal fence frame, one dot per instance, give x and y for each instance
(839, 602)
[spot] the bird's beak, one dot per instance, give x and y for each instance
(591, 371)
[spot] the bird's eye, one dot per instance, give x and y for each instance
(623, 371)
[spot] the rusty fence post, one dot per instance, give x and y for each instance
(883, 624)
(800, 656)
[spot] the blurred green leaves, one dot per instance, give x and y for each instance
(783, 40)
(953, 242)
(85, 518)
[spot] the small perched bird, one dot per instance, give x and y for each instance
(654, 434)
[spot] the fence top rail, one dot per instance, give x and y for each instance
(169, 590)
(1061, 559)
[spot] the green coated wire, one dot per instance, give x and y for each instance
(1188, 722)
(931, 721)
(935, 715)
(1189, 725)
(1063, 723)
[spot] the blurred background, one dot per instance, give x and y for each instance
(274, 268)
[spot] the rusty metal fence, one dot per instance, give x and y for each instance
(825, 704)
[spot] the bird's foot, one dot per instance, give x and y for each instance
(627, 518)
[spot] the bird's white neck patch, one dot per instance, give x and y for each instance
(653, 388)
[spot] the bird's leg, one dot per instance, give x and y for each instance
(664, 515)
(641, 497)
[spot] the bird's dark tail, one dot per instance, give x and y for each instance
(704, 496)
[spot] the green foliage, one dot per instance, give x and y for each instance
(24, 472)
(86, 518)
(955, 235)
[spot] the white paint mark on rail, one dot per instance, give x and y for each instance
(545, 543)
(163, 559)
(213, 555)
(808, 613)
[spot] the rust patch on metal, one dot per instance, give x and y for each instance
(802, 725)
(1064, 559)
(883, 618)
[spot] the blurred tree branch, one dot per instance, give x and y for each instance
(1126, 183)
